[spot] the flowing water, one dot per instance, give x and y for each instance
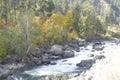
(65, 67)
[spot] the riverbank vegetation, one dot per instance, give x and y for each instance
(26, 23)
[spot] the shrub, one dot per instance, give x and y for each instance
(3, 43)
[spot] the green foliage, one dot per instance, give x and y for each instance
(90, 26)
(3, 43)
(26, 22)
(12, 41)
(44, 8)
(16, 40)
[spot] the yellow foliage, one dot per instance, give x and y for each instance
(69, 14)
(56, 28)
(73, 34)
(55, 19)
(40, 40)
(60, 20)
(68, 22)
(37, 21)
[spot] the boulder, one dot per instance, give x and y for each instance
(77, 49)
(87, 64)
(53, 63)
(74, 47)
(67, 47)
(45, 59)
(56, 50)
(68, 54)
(98, 46)
(82, 43)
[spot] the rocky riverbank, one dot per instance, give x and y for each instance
(47, 55)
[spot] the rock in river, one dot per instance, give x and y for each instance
(86, 64)
(98, 46)
(68, 54)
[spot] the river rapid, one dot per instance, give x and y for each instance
(65, 69)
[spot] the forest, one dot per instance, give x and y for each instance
(27, 24)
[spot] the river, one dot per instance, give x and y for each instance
(64, 69)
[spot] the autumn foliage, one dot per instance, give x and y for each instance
(56, 29)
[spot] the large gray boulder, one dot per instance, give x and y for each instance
(68, 54)
(56, 50)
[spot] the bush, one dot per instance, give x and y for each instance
(12, 41)
(90, 26)
(3, 43)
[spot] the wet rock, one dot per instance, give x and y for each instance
(98, 57)
(87, 64)
(98, 46)
(64, 60)
(56, 50)
(53, 63)
(90, 55)
(68, 54)
(77, 49)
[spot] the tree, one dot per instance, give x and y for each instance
(44, 8)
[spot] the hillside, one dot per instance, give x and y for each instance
(109, 9)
